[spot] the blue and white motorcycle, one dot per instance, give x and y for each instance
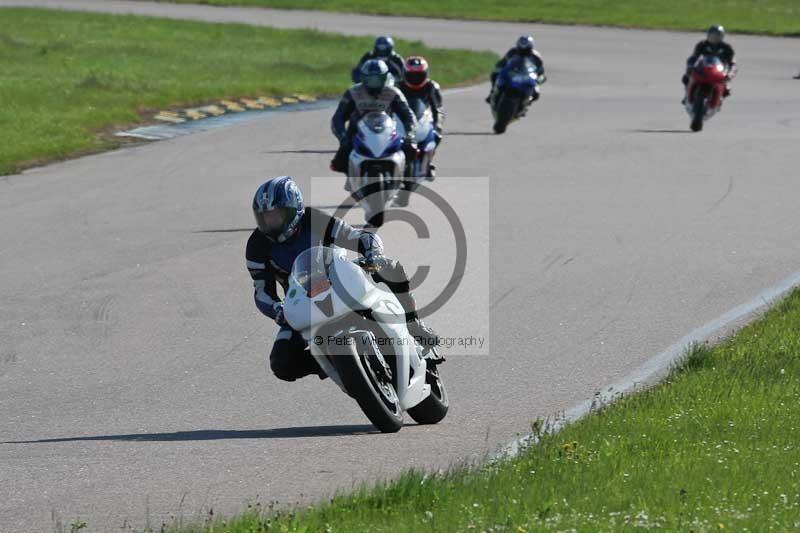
(420, 168)
(513, 91)
(356, 330)
(376, 165)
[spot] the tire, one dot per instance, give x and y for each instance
(377, 399)
(698, 112)
(434, 408)
(376, 221)
(506, 107)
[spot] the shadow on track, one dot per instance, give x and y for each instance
(221, 434)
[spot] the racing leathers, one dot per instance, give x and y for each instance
(431, 95)
(723, 51)
(358, 101)
(533, 55)
(270, 264)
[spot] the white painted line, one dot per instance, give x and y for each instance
(658, 366)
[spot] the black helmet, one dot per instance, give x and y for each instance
(525, 43)
(384, 46)
(715, 34)
(374, 74)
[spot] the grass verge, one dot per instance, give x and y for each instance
(69, 77)
(713, 447)
(777, 17)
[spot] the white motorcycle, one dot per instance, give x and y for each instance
(419, 169)
(356, 331)
(376, 165)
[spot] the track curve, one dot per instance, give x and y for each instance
(132, 369)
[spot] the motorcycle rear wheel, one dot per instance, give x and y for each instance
(376, 397)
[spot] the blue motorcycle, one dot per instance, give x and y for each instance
(513, 91)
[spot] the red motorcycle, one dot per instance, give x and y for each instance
(705, 90)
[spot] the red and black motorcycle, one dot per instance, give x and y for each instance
(706, 89)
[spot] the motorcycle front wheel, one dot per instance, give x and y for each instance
(698, 112)
(376, 220)
(506, 108)
(374, 393)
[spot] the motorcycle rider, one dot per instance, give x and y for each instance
(417, 84)
(525, 47)
(713, 45)
(382, 49)
(285, 229)
(372, 94)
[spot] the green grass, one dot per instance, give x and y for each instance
(715, 446)
(780, 17)
(69, 77)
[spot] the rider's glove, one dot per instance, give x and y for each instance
(437, 135)
(685, 79)
(279, 318)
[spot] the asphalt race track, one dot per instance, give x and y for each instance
(133, 383)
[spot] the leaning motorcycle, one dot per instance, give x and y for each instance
(513, 91)
(376, 165)
(705, 90)
(356, 330)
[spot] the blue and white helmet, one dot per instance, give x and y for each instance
(525, 42)
(278, 208)
(374, 74)
(384, 46)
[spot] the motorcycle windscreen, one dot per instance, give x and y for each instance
(311, 270)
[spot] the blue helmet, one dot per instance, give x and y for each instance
(384, 46)
(278, 208)
(374, 74)
(525, 42)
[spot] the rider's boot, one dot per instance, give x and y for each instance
(431, 172)
(426, 337)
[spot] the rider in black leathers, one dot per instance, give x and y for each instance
(416, 85)
(384, 50)
(286, 228)
(525, 47)
(372, 94)
(713, 45)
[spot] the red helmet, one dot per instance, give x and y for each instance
(415, 72)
